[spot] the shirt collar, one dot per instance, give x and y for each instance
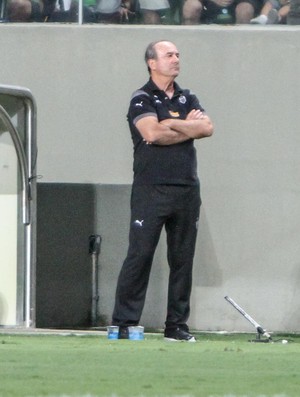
(153, 87)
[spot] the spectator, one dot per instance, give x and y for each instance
(23, 11)
(245, 10)
(191, 12)
(49, 8)
(273, 11)
(220, 11)
(153, 11)
(175, 14)
(115, 11)
(73, 14)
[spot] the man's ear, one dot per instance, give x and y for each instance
(151, 64)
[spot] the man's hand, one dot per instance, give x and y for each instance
(195, 114)
(125, 13)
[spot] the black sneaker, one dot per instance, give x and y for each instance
(123, 333)
(178, 335)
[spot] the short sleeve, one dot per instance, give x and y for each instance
(141, 105)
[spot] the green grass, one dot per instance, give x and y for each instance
(92, 366)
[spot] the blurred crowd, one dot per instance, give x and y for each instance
(176, 12)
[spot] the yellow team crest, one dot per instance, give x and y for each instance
(174, 114)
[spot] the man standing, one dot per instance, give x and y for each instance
(164, 120)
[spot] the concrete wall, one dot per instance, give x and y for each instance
(247, 79)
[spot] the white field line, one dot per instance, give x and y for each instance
(181, 395)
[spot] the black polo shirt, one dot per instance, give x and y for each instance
(156, 164)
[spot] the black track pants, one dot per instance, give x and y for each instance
(152, 207)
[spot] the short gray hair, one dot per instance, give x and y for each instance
(151, 53)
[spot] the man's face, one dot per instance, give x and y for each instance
(167, 61)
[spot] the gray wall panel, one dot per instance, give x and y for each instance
(65, 220)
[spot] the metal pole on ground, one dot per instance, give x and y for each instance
(80, 12)
(94, 250)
